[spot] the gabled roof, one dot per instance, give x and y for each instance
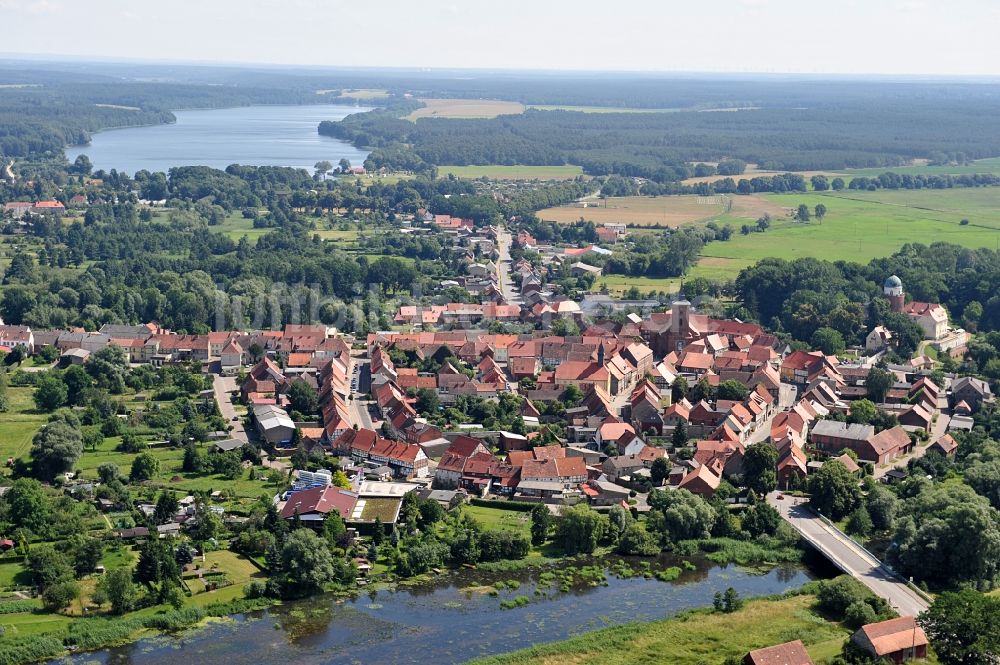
(789, 653)
(703, 475)
(320, 500)
(894, 635)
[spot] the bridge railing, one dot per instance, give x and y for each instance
(881, 564)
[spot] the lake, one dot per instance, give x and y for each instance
(252, 135)
(444, 621)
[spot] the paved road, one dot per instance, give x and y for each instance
(359, 408)
(510, 294)
(223, 386)
(787, 394)
(847, 555)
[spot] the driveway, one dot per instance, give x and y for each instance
(223, 386)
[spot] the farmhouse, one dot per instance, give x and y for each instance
(896, 640)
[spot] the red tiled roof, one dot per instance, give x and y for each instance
(320, 500)
(789, 653)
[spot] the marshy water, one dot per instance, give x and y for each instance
(455, 617)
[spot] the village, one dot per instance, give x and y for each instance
(645, 396)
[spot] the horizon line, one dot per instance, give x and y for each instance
(67, 58)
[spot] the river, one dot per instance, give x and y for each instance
(252, 135)
(444, 621)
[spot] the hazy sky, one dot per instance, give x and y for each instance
(837, 36)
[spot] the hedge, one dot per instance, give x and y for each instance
(521, 506)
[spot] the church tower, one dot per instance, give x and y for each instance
(893, 290)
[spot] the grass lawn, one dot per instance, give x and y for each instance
(621, 283)
(236, 226)
(19, 424)
(33, 623)
(171, 461)
(498, 172)
(641, 210)
(465, 108)
(860, 226)
(500, 518)
(237, 570)
(697, 638)
(13, 574)
(338, 236)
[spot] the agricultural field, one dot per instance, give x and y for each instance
(989, 165)
(598, 109)
(694, 638)
(517, 172)
(465, 108)
(752, 172)
(364, 93)
(666, 211)
(859, 226)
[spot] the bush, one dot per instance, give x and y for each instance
(29, 649)
(521, 506)
(836, 595)
(60, 596)
(858, 614)
(637, 541)
(255, 589)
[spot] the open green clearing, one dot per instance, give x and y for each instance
(500, 518)
(860, 226)
(990, 165)
(236, 226)
(19, 424)
(517, 172)
(619, 284)
(701, 637)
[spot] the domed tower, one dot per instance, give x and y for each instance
(893, 290)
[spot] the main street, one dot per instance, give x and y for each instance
(510, 294)
(847, 555)
(360, 385)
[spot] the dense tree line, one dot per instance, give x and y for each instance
(660, 145)
(804, 295)
(124, 263)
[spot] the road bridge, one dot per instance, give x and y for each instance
(847, 555)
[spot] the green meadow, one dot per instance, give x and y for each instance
(19, 424)
(701, 637)
(990, 165)
(860, 226)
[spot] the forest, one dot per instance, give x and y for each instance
(802, 296)
(660, 146)
(124, 263)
